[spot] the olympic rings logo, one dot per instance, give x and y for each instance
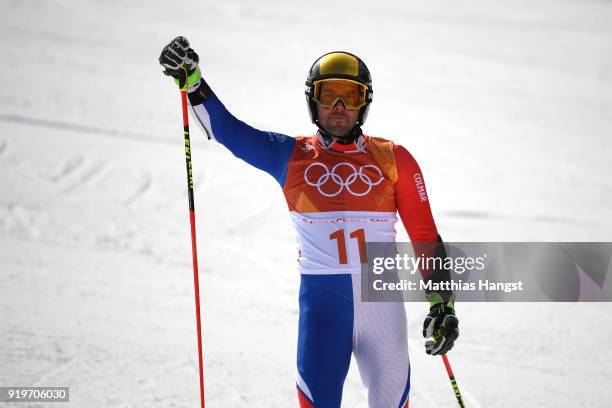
(336, 178)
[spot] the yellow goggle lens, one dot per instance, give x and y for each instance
(327, 92)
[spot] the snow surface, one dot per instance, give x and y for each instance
(507, 105)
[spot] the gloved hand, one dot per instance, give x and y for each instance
(178, 57)
(441, 324)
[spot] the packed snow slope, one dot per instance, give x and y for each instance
(507, 106)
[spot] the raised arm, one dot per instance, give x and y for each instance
(267, 151)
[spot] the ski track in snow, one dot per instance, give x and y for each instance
(539, 218)
(87, 174)
(141, 190)
(83, 129)
(68, 167)
(78, 172)
(505, 107)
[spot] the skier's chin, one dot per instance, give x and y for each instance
(338, 131)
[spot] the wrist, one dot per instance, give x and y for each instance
(437, 300)
(193, 79)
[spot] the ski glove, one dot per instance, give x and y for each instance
(441, 324)
(179, 55)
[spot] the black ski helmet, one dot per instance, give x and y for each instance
(341, 65)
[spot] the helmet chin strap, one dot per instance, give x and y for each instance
(345, 139)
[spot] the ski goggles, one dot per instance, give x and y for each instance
(327, 92)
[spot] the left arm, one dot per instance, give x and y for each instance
(414, 209)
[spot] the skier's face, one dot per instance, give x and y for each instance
(337, 120)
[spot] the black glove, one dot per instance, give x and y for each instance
(441, 324)
(178, 54)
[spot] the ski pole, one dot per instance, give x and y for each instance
(194, 249)
(451, 376)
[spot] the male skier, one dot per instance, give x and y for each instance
(343, 188)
